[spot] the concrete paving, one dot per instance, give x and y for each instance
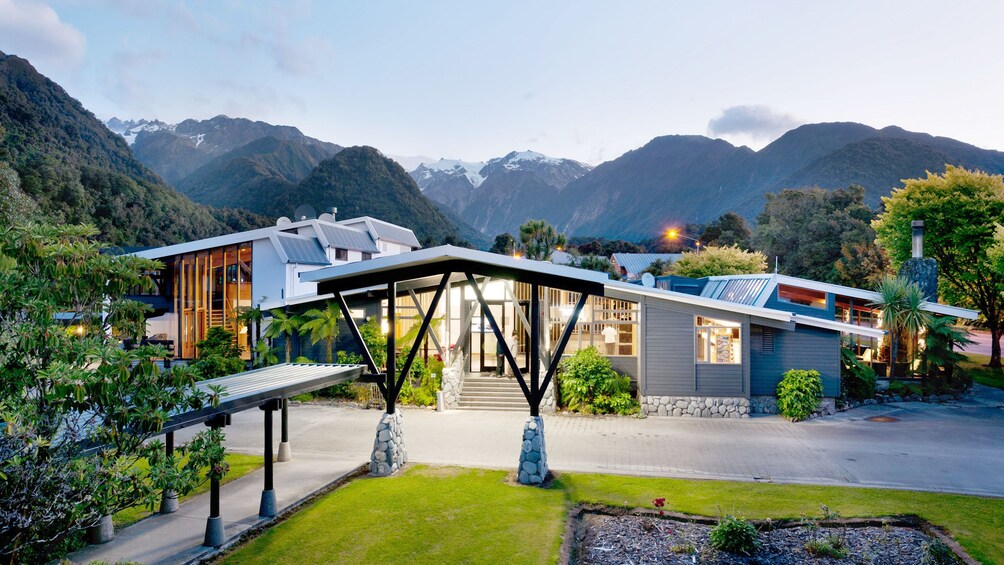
(955, 447)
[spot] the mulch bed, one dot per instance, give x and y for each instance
(602, 535)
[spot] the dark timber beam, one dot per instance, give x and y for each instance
(267, 508)
(422, 330)
(560, 349)
(501, 339)
(535, 395)
(356, 334)
(390, 392)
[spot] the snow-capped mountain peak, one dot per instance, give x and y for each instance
(426, 172)
(129, 129)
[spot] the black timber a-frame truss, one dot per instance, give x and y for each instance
(440, 275)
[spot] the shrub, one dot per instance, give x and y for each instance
(589, 384)
(219, 355)
(832, 546)
(798, 393)
(938, 553)
(735, 535)
(899, 388)
(856, 380)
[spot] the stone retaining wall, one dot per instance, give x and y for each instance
(453, 383)
(389, 454)
(768, 405)
(696, 406)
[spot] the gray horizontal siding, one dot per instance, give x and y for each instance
(804, 348)
(719, 380)
(625, 366)
(669, 352)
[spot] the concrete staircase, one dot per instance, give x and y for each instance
(485, 391)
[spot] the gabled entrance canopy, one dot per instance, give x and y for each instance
(437, 268)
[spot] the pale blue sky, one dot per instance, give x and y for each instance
(474, 80)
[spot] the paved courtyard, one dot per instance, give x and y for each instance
(957, 447)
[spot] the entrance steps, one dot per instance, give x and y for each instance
(486, 391)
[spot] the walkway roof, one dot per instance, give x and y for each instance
(252, 388)
(422, 267)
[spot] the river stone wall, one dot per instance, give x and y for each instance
(696, 406)
(768, 405)
(453, 383)
(389, 454)
(533, 455)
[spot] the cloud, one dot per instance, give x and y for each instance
(760, 123)
(32, 29)
(293, 58)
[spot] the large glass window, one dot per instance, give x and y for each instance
(718, 341)
(801, 296)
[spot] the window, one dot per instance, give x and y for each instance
(801, 296)
(717, 341)
(341, 254)
(367, 256)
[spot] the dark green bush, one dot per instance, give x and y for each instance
(938, 553)
(219, 354)
(856, 379)
(588, 384)
(735, 535)
(798, 393)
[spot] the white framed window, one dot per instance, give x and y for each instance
(718, 341)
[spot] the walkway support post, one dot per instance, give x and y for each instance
(169, 498)
(285, 453)
(214, 525)
(267, 508)
(388, 453)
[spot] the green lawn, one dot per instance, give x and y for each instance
(983, 374)
(240, 465)
(454, 515)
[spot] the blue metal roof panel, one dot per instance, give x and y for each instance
(303, 250)
(347, 238)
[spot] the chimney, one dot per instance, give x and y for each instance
(919, 270)
(918, 239)
(334, 214)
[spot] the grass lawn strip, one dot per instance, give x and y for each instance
(989, 376)
(450, 515)
(240, 465)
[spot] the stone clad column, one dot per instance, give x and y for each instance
(533, 456)
(389, 454)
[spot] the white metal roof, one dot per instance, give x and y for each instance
(385, 231)
(871, 296)
(447, 253)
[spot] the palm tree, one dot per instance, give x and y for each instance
(890, 303)
(900, 302)
(283, 325)
(913, 319)
(322, 324)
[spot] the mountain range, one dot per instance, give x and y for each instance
(77, 171)
(679, 179)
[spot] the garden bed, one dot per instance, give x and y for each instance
(603, 535)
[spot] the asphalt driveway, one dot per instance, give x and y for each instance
(956, 447)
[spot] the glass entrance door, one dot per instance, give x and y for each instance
(482, 343)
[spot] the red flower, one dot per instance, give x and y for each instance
(659, 502)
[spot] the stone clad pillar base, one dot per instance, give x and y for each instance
(389, 454)
(533, 456)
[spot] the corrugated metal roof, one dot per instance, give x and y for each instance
(739, 290)
(251, 388)
(302, 250)
(635, 263)
(347, 238)
(386, 231)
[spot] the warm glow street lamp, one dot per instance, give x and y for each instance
(673, 234)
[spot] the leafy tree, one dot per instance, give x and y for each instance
(14, 203)
(249, 317)
(812, 230)
(961, 210)
(283, 325)
(219, 354)
(596, 263)
(62, 389)
(658, 267)
(128, 318)
(716, 261)
(730, 229)
(505, 244)
(538, 239)
(375, 341)
(941, 357)
(322, 325)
